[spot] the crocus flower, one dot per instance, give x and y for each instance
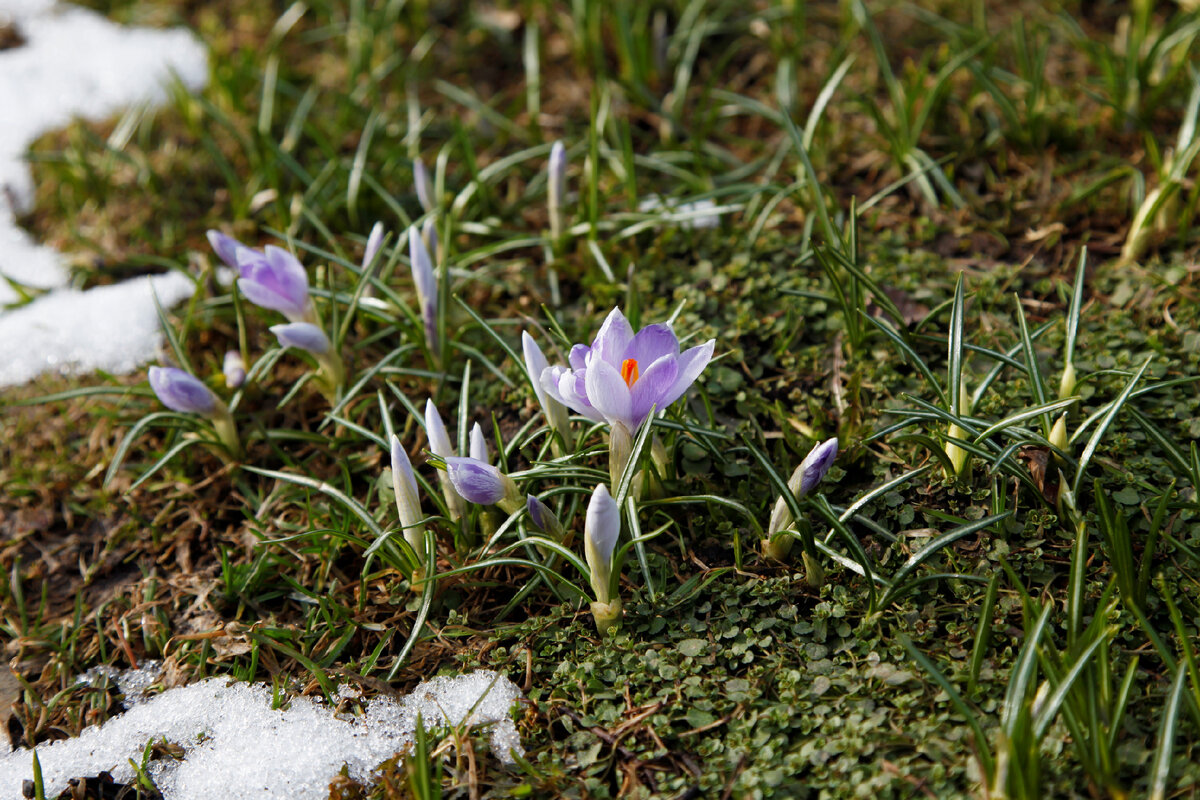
(408, 502)
(374, 242)
(602, 526)
(543, 518)
(480, 483)
(556, 188)
(424, 186)
(234, 370)
(536, 365)
(181, 391)
(310, 338)
(440, 446)
(426, 285)
(623, 375)
(226, 248)
(478, 445)
(302, 335)
(804, 479)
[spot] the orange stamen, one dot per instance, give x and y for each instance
(629, 371)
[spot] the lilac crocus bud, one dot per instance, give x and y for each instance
(426, 285)
(423, 184)
(429, 235)
(556, 188)
(181, 391)
(602, 526)
(274, 279)
(408, 502)
(480, 483)
(440, 446)
(804, 479)
(302, 335)
(543, 518)
(535, 365)
(478, 445)
(374, 242)
(234, 369)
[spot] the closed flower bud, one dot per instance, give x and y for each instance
(181, 391)
(408, 501)
(423, 185)
(478, 445)
(234, 369)
(481, 483)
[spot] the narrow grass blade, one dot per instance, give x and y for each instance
(1094, 441)
(1161, 772)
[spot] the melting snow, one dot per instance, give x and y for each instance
(700, 214)
(236, 746)
(74, 62)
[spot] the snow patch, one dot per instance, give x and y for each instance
(73, 63)
(111, 328)
(236, 746)
(698, 214)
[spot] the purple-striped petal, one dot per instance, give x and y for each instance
(476, 481)
(579, 356)
(613, 339)
(273, 279)
(302, 335)
(226, 247)
(181, 391)
(691, 363)
(607, 392)
(652, 387)
(652, 343)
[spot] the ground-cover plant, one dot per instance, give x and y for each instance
(996, 587)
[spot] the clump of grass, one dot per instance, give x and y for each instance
(998, 570)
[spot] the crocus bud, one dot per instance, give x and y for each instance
(1066, 384)
(423, 185)
(804, 479)
(429, 234)
(556, 188)
(1058, 434)
(274, 279)
(302, 335)
(426, 285)
(234, 369)
(543, 518)
(181, 391)
(440, 446)
(478, 445)
(602, 526)
(535, 365)
(480, 483)
(408, 502)
(374, 242)
(957, 455)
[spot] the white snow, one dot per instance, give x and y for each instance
(236, 746)
(112, 328)
(73, 63)
(699, 214)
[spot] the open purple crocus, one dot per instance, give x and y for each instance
(271, 278)
(623, 375)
